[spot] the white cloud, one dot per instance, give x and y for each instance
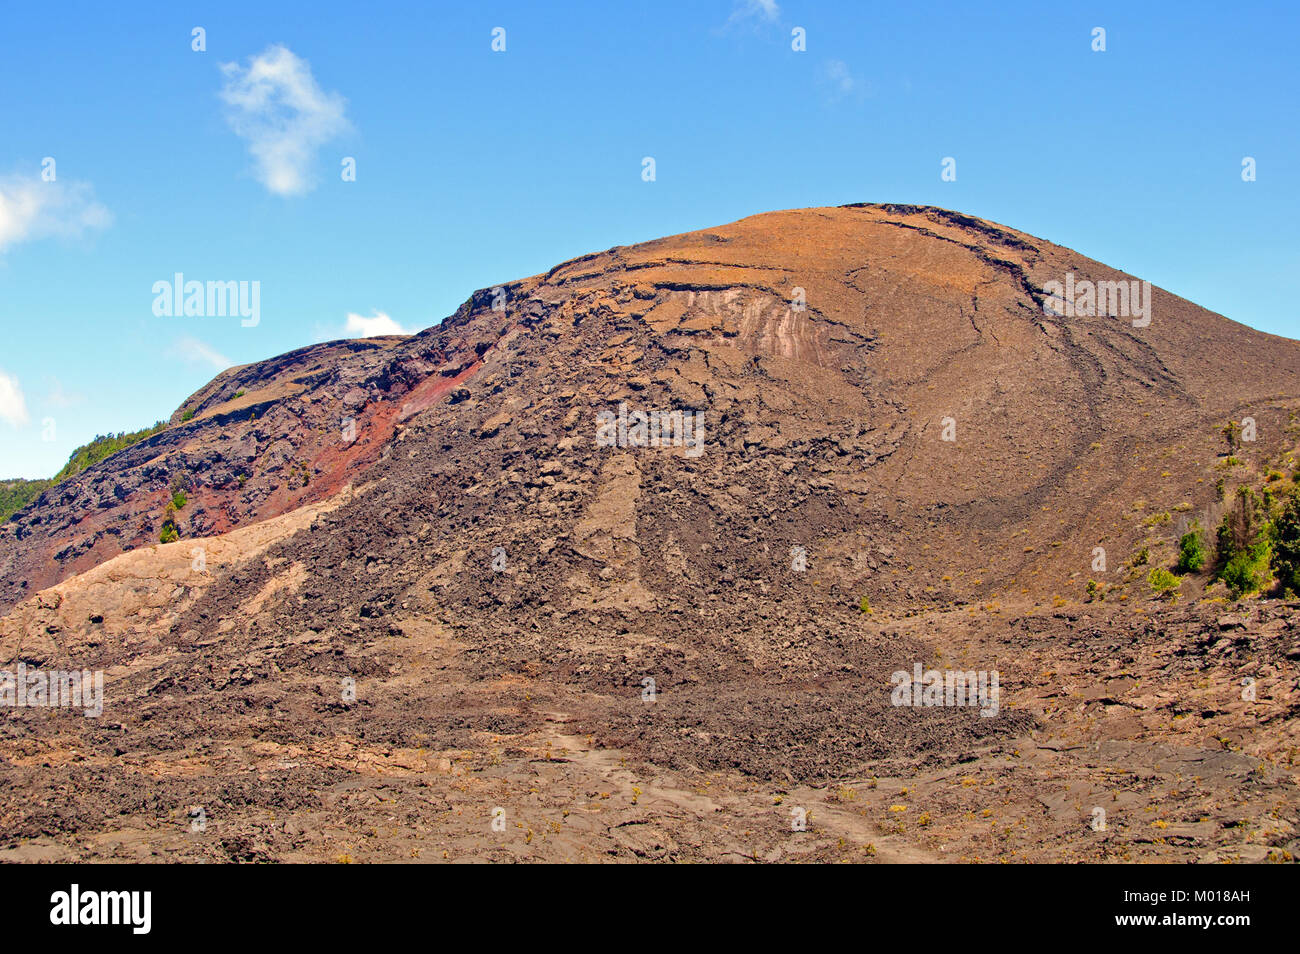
(837, 71)
(841, 81)
(759, 9)
(279, 108)
(31, 208)
(13, 406)
(197, 352)
(359, 326)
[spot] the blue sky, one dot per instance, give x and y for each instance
(474, 167)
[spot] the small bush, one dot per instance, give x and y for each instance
(1163, 582)
(1191, 550)
(1286, 546)
(1247, 571)
(864, 606)
(1245, 548)
(1232, 435)
(187, 416)
(169, 534)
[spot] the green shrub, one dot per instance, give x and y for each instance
(1286, 545)
(1191, 550)
(1247, 571)
(1244, 544)
(187, 416)
(169, 533)
(1162, 581)
(864, 606)
(179, 500)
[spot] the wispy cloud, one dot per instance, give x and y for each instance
(276, 105)
(57, 397)
(13, 406)
(359, 326)
(841, 81)
(199, 352)
(763, 10)
(31, 208)
(837, 72)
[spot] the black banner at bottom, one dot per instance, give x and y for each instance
(335, 903)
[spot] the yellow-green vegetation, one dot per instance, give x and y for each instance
(1245, 544)
(1162, 582)
(179, 499)
(1258, 538)
(1232, 435)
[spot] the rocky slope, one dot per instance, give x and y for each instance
(657, 652)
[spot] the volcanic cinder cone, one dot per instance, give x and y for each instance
(424, 578)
